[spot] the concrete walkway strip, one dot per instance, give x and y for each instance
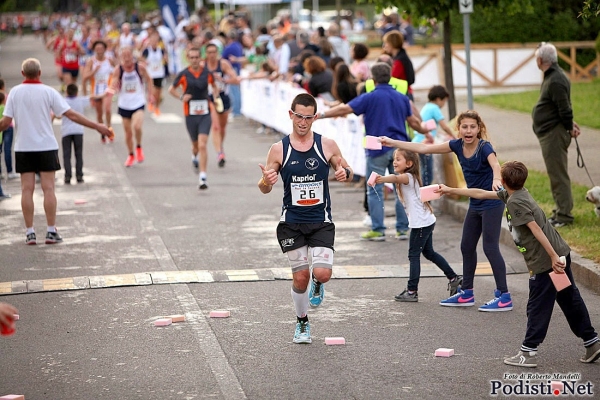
(240, 275)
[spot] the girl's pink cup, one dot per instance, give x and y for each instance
(428, 193)
(372, 178)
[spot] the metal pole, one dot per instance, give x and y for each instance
(217, 13)
(467, 34)
(313, 13)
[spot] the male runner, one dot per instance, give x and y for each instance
(194, 82)
(129, 78)
(303, 158)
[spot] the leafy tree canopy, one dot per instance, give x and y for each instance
(590, 9)
(440, 9)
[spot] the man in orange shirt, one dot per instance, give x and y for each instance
(194, 82)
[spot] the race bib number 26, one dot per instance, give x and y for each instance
(307, 194)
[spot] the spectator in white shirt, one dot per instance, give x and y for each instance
(341, 47)
(280, 54)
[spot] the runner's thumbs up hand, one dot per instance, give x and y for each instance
(341, 174)
(269, 175)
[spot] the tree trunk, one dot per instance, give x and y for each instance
(448, 68)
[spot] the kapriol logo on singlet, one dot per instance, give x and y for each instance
(306, 187)
(312, 164)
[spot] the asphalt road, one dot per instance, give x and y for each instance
(151, 218)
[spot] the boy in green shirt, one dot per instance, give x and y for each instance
(542, 246)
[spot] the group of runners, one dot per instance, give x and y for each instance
(134, 68)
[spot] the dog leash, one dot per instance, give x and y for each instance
(581, 163)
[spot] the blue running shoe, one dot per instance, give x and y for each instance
(502, 303)
(316, 294)
(464, 298)
(302, 334)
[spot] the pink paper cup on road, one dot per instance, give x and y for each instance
(372, 143)
(430, 124)
(372, 179)
(428, 193)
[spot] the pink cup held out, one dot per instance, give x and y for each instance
(372, 143)
(428, 193)
(372, 179)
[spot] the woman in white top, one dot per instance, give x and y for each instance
(421, 222)
(98, 71)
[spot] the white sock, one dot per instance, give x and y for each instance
(202, 175)
(30, 231)
(52, 229)
(300, 302)
(194, 157)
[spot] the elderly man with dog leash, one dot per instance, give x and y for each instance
(554, 127)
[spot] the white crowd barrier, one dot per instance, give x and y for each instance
(269, 102)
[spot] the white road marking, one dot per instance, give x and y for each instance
(207, 341)
(167, 118)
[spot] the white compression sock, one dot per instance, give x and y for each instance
(300, 302)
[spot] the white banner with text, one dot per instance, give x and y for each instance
(268, 103)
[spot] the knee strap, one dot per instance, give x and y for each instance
(298, 259)
(322, 257)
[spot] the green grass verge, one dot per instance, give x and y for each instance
(583, 235)
(585, 97)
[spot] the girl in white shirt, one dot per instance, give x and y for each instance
(421, 222)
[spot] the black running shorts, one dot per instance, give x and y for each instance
(294, 236)
(37, 161)
(198, 125)
(74, 72)
(157, 82)
(226, 101)
(129, 113)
